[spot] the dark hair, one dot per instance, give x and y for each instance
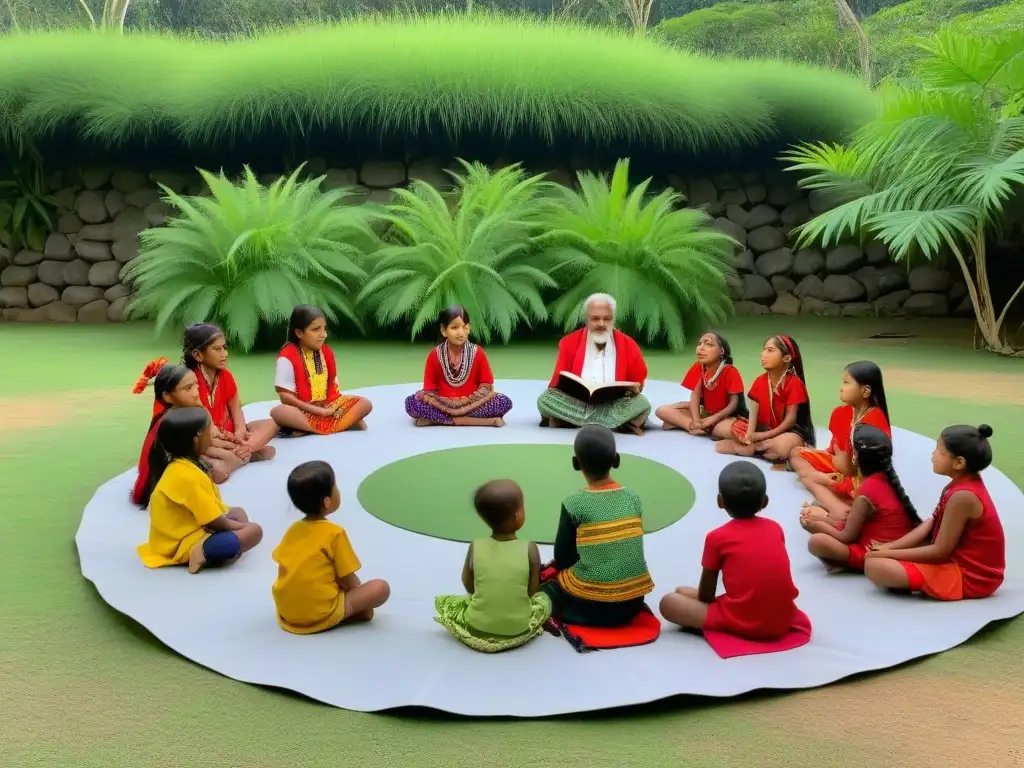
(594, 450)
(451, 314)
(873, 450)
(175, 439)
(804, 423)
(303, 317)
(723, 343)
(166, 381)
(497, 502)
(198, 336)
(742, 488)
(970, 444)
(309, 484)
(867, 374)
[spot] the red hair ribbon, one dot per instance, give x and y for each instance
(789, 346)
(152, 369)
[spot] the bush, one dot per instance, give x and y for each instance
(246, 256)
(454, 76)
(665, 267)
(476, 250)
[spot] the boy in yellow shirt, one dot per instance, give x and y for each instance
(188, 521)
(317, 587)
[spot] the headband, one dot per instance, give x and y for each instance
(152, 369)
(788, 342)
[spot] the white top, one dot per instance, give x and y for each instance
(284, 375)
(599, 365)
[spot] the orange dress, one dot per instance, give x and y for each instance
(841, 424)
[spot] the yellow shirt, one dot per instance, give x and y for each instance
(183, 502)
(311, 558)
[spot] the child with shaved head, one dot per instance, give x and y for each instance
(602, 575)
(504, 608)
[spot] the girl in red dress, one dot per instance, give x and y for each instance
(306, 380)
(458, 386)
(881, 512)
(716, 392)
(174, 386)
(831, 475)
(749, 552)
(204, 351)
(780, 409)
(959, 552)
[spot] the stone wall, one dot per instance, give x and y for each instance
(78, 275)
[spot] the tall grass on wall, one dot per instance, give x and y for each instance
(455, 75)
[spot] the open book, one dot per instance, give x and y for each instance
(574, 386)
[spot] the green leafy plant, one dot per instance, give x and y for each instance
(248, 254)
(665, 268)
(26, 209)
(935, 172)
(473, 249)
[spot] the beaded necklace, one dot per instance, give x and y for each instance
(211, 385)
(772, 391)
(456, 375)
(711, 383)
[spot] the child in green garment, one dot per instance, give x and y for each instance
(504, 608)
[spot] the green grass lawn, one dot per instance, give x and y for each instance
(82, 686)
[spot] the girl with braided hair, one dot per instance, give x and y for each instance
(881, 511)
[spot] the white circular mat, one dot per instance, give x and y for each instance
(224, 619)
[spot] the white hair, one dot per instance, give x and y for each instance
(599, 298)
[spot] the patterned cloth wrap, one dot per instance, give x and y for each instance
(493, 408)
(555, 404)
(451, 614)
(483, 403)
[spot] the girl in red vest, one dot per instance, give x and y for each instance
(830, 475)
(960, 551)
(458, 385)
(204, 351)
(307, 381)
(174, 386)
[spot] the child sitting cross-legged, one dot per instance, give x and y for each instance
(601, 575)
(759, 602)
(504, 608)
(317, 588)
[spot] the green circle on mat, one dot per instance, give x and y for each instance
(432, 493)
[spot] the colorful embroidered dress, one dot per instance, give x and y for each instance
(599, 554)
(499, 615)
(313, 378)
(463, 388)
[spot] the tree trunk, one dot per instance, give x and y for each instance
(981, 295)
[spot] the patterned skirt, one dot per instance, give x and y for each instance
(451, 614)
(495, 408)
(555, 404)
(329, 425)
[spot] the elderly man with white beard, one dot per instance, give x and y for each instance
(599, 375)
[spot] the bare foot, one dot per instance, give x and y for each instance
(360, 425)
(666, 426)
(266, 453)
(499, 422)
(424, 423)
(833, 568)
(779, 466)
(196, 558)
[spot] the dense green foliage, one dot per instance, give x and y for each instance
(476, 250)
(504, 244)
(807, 30)
(246, 255)
(499, 76)
(664, 266)
(934, 174)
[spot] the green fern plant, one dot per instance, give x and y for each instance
(475, 249)
(246, 255)
(665, 268)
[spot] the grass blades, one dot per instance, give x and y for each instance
(502, 76)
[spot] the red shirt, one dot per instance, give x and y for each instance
(224, 391)
(981, 551)
(434, 379)
(841, 425)
(889, 521)
(716, 397)
(760, 596)
(771, 408)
